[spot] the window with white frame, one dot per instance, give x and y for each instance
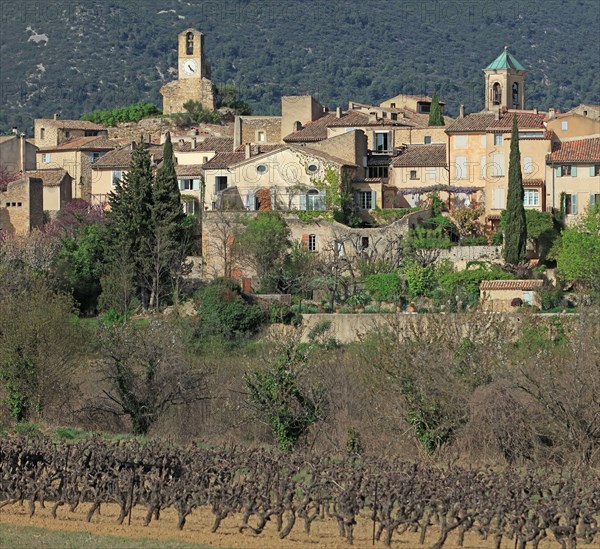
(365, 200)
(460, 141)
(315, 200)
(461, 167)
(566, 170)
(190, 207)
(186, 184)
(220, 183)
(117, 175)
(46, 158)
(528, 165)
(497, 139)
(312, 242)
(261, 136)
(531, 197)
(564, 125)
(382, 141)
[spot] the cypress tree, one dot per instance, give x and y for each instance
(167, 220)
(515, 235)
(435, 114)
(129, 223)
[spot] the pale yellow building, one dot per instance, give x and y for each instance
(509, 295)
(573, 176)
(572, 125)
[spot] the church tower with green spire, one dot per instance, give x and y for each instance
(505, 83)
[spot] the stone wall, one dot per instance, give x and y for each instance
(461, 255)
(21, 206)
(177, 93)
(251, 125)
(150, 128)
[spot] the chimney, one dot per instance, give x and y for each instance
(247, 150)
(194, 143)
(237, 132)
(56, 115)
(497, 115)
(462, 111)
(15, 130)
(372, 118)
(338, 112)
(551, 114)
(22, 152)
(535, 111)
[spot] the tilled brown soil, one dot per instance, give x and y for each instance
(197, 530)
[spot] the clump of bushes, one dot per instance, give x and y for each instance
(129, 113)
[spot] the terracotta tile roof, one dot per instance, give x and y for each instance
(525, 121)
(190, 170)
(92, 143)
(312, 131)
(533, 182)
(216, 144)
(120, 158)
(224, 160)
(421, 155)
(580, 150)
(510, 284)
(50, 178)
(257, 149)
(70, 124)
(476, 122)
(368, 180)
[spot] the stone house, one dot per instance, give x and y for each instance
(57, 188)
(507, 295)
(21, 206)
(573, 176)
(17, 153)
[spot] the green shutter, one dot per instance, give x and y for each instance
(592, 171)
(573, 171)
(592, 200)
(373, 198)
(574, 204)
(558, 171)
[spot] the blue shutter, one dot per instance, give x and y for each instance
(302, 202)
(573, 171)
(592, 200)
(592, 171)
(373, 198)
(558, 171)
(181, 185)
(196, 185)
(574, 204)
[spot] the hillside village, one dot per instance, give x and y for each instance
(389, 159)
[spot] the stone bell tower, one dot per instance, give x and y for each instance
(505, 83)
(193, 83)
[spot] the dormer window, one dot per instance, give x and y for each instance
(189, 43)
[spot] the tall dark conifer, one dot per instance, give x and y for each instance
(515, 235)
(167, 221)
(436, 118)
(129, 220)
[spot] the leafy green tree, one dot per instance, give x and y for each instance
(515, 237)
(129, 222)
(436, 118)
(194, 113)
(224, 313)
(228, 96)
(264, 243)
(284, 399)
(578, 255)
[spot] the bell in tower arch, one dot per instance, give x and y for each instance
(189, 43)
(515, 95)
(496, 94)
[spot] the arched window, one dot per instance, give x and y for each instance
(515, 95)
(496, 94)
(189, 43)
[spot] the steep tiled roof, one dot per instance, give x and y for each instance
(70, 124)
(525, 120)
(224, 160)
(92, 143)
(421, 155)
(476, 122)
(312, 131)
(50, 178)
(120, 158)
(510, 284)
(580, 150)
(217, 144)
(505, 60)
(190, 170)
(533, 182)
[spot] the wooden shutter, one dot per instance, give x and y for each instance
(304, 242)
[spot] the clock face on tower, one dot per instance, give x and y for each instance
(190, 67)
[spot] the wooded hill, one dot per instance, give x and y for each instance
(70, 57)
